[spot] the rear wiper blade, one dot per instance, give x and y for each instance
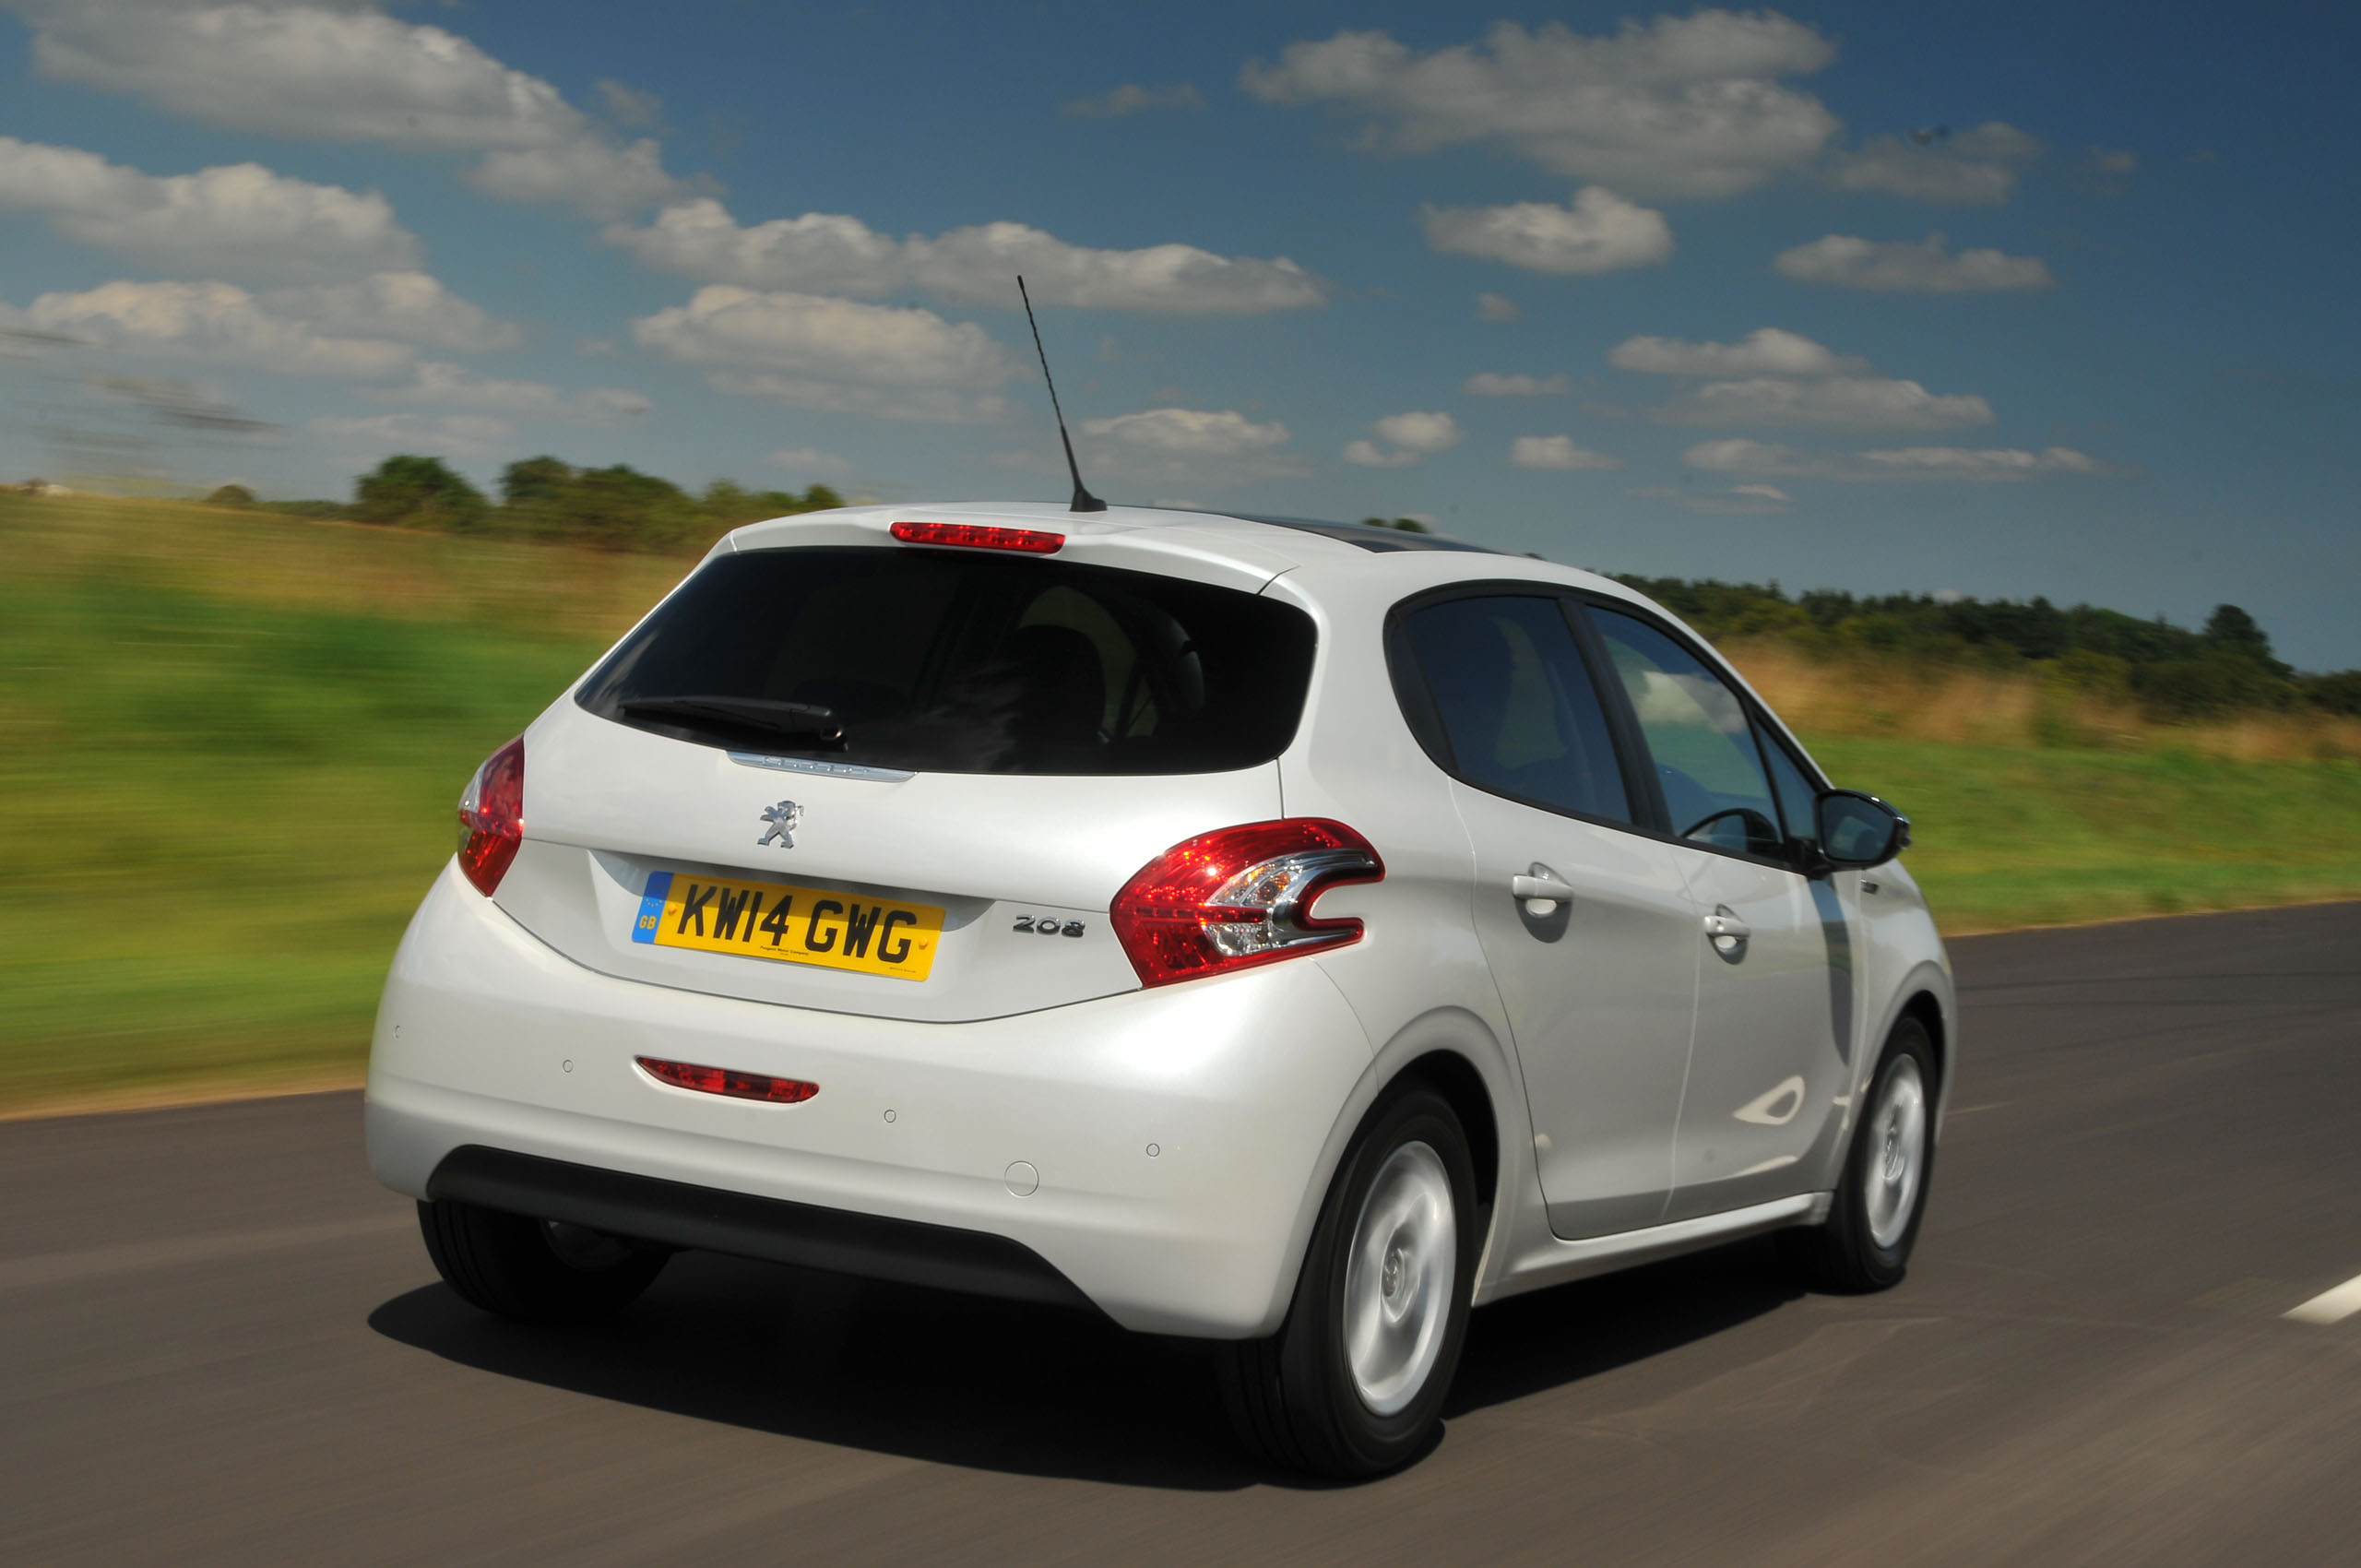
(804, 719)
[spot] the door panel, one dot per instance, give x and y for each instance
(1585, 924)
(1774, 980)
(1599, 995)
(1771, 1041)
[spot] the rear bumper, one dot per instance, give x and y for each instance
(673, 1212)
(943, 1154)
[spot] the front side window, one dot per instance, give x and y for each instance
(1515, 705)
(1799, 797)
(954, 662)
(1698, 737)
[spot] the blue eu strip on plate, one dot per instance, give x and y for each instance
(651, 907)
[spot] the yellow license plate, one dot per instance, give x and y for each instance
(796, 925)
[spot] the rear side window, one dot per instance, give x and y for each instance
(1515, 703)
(936, 661)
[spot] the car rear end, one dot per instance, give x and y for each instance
(908, 895)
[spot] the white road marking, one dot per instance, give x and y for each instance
(2330, 1306)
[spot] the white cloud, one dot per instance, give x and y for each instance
(1558, 454)
(1680, 106)
(1835, 402)
(237, 219)
(213, 322)
(1971, 169)
(1738, 501)
(810, 462)
(1961, 464)
(411, 306)
(831, 253)
(595, 177)
(2106, 171)
(1848, 262)
(1964, 463)
(1403, 439)
(628, 105)
(1204, 445)
(832, 354)
(447, 435)
(1131, 98)
(1488, 384)
(1766, 351)
(456, 386)
(1494, 307)
(1598, 232)
(349, 74)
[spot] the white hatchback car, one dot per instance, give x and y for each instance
(1282, 935)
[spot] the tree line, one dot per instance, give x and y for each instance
(612, 508)
(2171, 672)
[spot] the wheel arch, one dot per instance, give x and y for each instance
(1455, 1078)
(1923, 1005)
(1456, 1054)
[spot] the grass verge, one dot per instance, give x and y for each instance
(230, 746)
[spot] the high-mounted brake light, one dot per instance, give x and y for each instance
(722, 1081)
(492, 818)
(979, 536)
(1239, 897)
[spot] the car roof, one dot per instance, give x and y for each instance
(1255, 542)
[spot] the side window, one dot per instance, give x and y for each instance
(1698, 738)
(1514, 701)
(1797, 794)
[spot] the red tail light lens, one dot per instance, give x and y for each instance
(492, 818)
(1239, 897)
(978, 536)
(722, 1081)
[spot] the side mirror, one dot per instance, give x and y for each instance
(1859, 830)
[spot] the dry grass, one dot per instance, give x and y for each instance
(1983, 708)
(316, 565)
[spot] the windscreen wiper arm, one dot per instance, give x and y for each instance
(797, 719)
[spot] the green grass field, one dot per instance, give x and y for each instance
(230, 747)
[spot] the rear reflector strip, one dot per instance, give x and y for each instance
(722, 1081)
(978, 536)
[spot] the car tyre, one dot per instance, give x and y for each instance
(1873, 1219)
(535, 1271)
(1353, 1383)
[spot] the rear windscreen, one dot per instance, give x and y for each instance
(936, 661)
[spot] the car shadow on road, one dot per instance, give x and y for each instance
(1001, 1386)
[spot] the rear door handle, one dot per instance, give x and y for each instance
(1727, 934)
(1541, 891)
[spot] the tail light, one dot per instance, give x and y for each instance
(492, 818)
(1239, 897)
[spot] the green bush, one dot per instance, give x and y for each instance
(420, 493)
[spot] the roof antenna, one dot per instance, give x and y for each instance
(1082, 500)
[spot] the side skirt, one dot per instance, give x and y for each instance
(1553, 1261)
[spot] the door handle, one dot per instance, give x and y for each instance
(1727, 934)
(1541, 891)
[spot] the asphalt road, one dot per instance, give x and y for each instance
(219, 1342)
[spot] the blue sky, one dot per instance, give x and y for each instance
(1999, 300)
